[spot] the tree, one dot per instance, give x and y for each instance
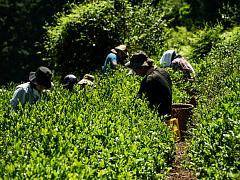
(79, 41)
(21, 24)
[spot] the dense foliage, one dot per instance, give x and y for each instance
(22, 29)
(105, 132)
(100, 132)
(216, 152)
(84, 36)
(214, 11)
(204, 41)
(21, 23)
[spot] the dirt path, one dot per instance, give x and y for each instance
(178, 172)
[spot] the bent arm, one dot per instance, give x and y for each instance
(114, 64)
(18, 97)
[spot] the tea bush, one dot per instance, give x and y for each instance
(215, 147)
(204, 41)
(103, 132)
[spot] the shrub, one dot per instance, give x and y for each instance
(147, 30)
(81, 38)
(203, 42)
(215, 150)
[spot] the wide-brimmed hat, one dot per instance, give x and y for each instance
(87, 79)
(42, 76)
(69, 80)
(122, 48)
(138, 59)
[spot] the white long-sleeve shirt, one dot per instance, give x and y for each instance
(24, 93)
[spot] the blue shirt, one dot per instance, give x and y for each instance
(111, 57)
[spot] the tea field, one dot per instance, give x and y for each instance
(106, 132)
(215, 150)
(94, 133)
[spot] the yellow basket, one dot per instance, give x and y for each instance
(175, 128)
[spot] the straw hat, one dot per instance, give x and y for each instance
(87, 79)
(122, 48)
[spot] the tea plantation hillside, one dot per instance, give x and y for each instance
(106, 132)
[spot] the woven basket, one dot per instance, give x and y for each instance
(183, 112)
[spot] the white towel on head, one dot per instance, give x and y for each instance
(167, 58)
